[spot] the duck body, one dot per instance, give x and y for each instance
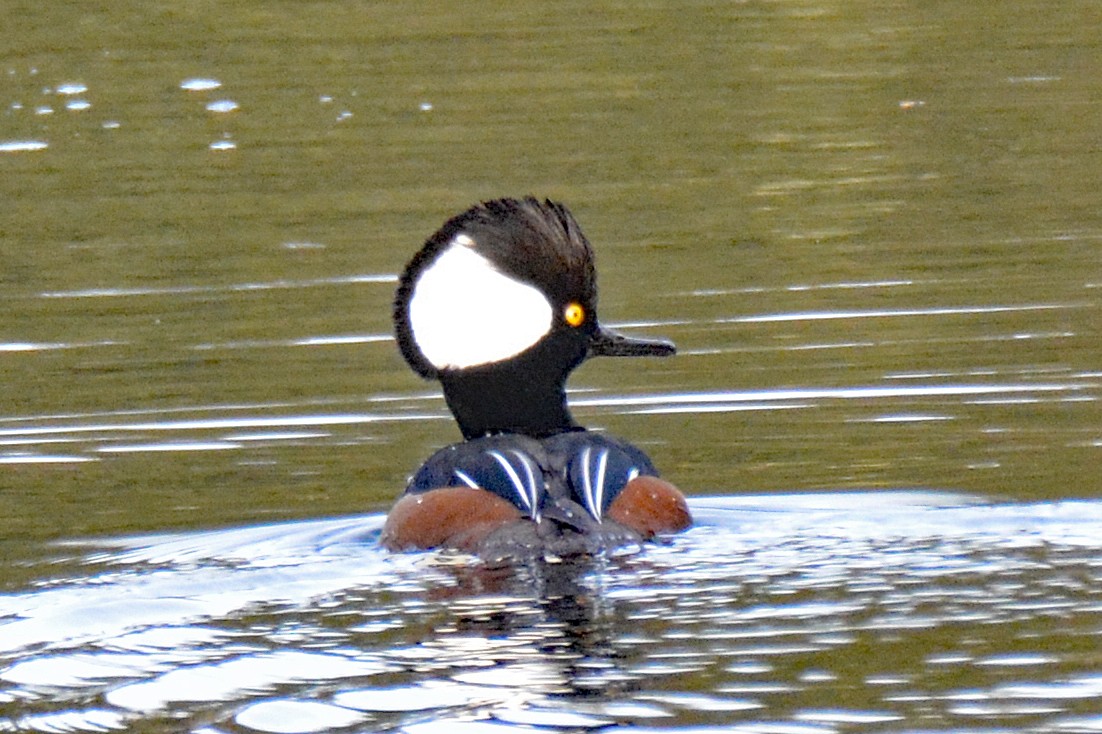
(499, 306)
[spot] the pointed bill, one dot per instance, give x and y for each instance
(608, 343)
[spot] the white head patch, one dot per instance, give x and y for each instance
(463, 312)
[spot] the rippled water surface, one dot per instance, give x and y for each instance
(872, 229)
(887, 611)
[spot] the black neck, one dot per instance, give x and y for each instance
(506, 401)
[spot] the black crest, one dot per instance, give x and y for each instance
(533, 241)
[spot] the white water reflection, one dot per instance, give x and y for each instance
(894, 312)
(202, 424)
(22, 146)
(216, 428)
(205, 575)
(170, 446)
(52, 346)
(106, 433)
(222, 106)
(232, 288)
(239, 677)
(26, 458)
(71, 88)
(296, 716)
(712, 400)
(310, 341)
(199, 84)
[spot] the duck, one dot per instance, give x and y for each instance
(499, 306)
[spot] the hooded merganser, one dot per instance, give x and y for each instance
(500, 306)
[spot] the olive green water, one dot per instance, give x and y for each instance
(872, 228)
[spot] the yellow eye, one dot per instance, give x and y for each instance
(574, 314)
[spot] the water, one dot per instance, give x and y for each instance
(887, 611)
(871, 228)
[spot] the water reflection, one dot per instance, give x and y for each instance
(939, 311)
(107, 432)
(17, 146)
(762, 617)
(211, 289)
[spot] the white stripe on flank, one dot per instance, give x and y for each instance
(587, 484)
(594, 482)
(533, 488)
(599, 500)
(463, 477)
(529, 494)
